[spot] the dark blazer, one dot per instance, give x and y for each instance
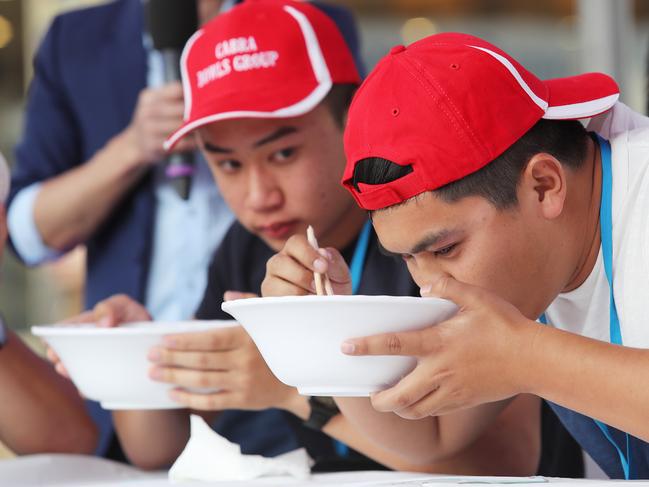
(88, 73)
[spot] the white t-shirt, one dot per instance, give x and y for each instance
(585, 310)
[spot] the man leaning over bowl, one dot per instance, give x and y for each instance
(479, 175)
(40, 411)
(268, 115)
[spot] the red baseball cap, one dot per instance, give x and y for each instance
(262, 59)
(450, 104)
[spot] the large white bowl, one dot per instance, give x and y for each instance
(110, 365)
(300, 338)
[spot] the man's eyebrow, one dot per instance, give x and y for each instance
(430, 241)
(277, 134)
(209, 147)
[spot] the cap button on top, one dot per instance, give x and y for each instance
(397, 49)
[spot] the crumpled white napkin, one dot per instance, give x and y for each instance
(210, 457)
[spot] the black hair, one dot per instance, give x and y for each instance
(338, 100)
(497, 182)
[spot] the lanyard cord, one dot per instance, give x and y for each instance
(356, 269)
(606, 229)
(360, 253)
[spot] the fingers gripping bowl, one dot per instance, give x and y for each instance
(110, 365)
(300, 338)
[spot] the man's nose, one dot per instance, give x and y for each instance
(263, 192)
(425, 270)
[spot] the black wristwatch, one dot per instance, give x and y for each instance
(322, 410)
(4, 334)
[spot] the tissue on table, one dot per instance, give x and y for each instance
(210, 457)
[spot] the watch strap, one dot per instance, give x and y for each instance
(321, 413)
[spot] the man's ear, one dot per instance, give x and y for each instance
(544, 185)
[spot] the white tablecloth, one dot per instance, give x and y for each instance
(79, 470)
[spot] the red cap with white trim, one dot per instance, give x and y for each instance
(450, 104)
(262, 59)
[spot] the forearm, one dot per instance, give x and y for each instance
(474, 460)
(70, 207)
(41, 411)
(340, 428)
(510, 446)
(408, 439)
(425, 441)
(595, 378)
(152, 440)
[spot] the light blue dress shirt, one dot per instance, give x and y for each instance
(186, 232)
(24, 234)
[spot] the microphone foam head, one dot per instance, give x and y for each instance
(171, 22)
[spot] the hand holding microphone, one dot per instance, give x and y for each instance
(159, 111)
(170, 24)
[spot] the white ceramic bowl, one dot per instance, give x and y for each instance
(300, 338)
(110, 365)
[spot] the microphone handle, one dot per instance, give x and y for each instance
(179, 167)
(171, 62)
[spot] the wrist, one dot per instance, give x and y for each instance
(124, 149)
(321, 411)
(297, 405)
(527, 360)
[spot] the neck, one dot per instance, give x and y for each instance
(590, 229)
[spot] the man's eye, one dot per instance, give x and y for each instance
(283, 155)
(229, 165)
(445, 250)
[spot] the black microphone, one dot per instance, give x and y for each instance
(171, 23)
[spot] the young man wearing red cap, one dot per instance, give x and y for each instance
(478, 175)
(268, 110)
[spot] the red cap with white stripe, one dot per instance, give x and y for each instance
(450, 104)
(262, 59)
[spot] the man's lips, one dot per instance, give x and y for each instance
(278, 229)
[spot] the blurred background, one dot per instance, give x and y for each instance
(553, 37)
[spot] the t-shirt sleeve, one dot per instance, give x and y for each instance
(620, 118)
(645, 245)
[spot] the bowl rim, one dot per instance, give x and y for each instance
(337, 298)
(138, 328)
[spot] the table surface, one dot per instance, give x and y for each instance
(79, 470)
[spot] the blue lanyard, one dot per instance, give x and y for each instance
(360, 252)
(356, 269)
(606, 229)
